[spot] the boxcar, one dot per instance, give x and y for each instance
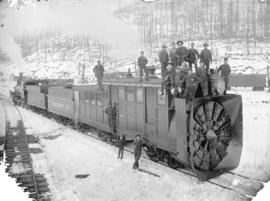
(36, 91)
(141, 110)
(61, 101)
(91, 104)
(36, 97)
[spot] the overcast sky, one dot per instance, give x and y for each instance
(92, 17)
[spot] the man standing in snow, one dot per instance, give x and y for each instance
(112, 113)
(142, 61)
(121, 145)
(99, 70)
(225, 71)
(206, 57)
(163, 59)
(192, 57)
(137, 151)
(181, 52)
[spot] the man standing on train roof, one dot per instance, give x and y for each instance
(178, 75)
(202, 77)
(173, 55)
(206, 57)
(225, 71)
(168, 80)
(137, 151)
(181, 52)
(192, 56)
(111, 112)
(99, 70)
(163, 59)
(190, 85)
(142, 61)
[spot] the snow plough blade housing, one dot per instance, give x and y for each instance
(215, 135)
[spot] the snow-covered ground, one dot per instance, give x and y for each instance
(255, 159)
(67, 153)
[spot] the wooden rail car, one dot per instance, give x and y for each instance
(204, 133)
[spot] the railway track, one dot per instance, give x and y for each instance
(18, 156)
(244, 186)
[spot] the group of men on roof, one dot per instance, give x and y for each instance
(179, 67)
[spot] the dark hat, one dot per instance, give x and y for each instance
(205, 44)
(164, 46)
(180, 42)
(226, 58)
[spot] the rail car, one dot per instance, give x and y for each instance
(204, 134)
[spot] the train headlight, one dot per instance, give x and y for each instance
(220, 86)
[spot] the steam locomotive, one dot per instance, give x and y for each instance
(204, 134)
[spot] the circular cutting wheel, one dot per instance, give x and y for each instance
(211, 135)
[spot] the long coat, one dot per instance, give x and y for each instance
(203, 80)
(163, 57)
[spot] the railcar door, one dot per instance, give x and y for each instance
(131, 109)
(106, 101)
(122, 109)
(150, 110)
(140, 117)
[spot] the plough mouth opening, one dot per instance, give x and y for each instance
(215, 131)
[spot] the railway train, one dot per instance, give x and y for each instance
(204, 134)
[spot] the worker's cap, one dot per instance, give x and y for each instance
(205, 44)
(98, 60)
(226, 58)
(142, 52)
(179, 42)
(164, 46)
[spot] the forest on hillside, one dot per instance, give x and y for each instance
(170, 20)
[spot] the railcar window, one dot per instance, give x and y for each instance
(160, 99)
(130, 94)
(139, 95)
(93, 99)
(99, 99)
(106, 92)
(121, 92)
(87, 97)
(82, 95)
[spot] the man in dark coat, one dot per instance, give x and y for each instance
(190, 83)
(99, 70)
(168, 80)
(142, 61)
(137, 151)
(111, 112)
(181, 52)
(192, 56)
(206, 57)
(163, 59)
(225, 71)
(121, 145)
(173, 55)
(203, 78)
